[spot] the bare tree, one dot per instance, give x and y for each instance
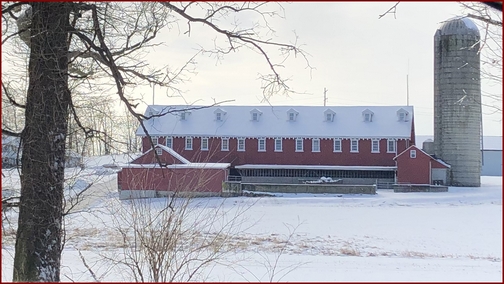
(98, 44)
(489, 21)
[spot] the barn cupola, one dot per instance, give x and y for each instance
(402, 115)
(219, 114)
(367, 115)
(292, 114)
(329, 115)
(255, 114)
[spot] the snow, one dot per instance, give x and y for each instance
(446, 236)
(273, 122)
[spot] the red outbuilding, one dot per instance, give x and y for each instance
(414, 166)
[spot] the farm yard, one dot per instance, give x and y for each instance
(447, 236)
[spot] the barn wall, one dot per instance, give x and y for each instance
(414, 171)
(492, 163)
(288, 156)
(179, 180)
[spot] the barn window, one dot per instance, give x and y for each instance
(402, 115)
(169, 142)
(315, 145)
(329, 115)
(412, 154)
(299, 144)
(375, 146)
(188, 143)
(354, 145)
(182, 116)
(292, 114)
(159, 151)
(219, 114)
(225, 144)
(154, 140)
(367, 115)
(241, 144)
(337, 145)
(204, 144)
(261, 145)
(255, 114)
(391, 146)
(278, 144)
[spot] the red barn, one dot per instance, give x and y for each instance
(356, 144)
(414, 166)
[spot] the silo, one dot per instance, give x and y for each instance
(457, 100)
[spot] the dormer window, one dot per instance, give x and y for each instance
(292, 114)
(329, 115)
(367, 115)
(255, 114)
(402, 115)
(219, 114)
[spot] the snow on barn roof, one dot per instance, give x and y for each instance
(278, 121)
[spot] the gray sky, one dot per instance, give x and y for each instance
(360, 59)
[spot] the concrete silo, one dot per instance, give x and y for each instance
(457, 100)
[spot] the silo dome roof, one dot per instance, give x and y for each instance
(459, 26)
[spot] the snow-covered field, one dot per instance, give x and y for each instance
(451, 236)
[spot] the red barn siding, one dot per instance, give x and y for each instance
(288, 156)
(178, 180)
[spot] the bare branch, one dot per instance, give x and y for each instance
(392, 10)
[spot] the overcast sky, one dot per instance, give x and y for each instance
(360, 59)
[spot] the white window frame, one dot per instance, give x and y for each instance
(263, 148)
(337, 141)
(375, 142)
(159, 151)
(299, 149)
(171, 142)
(218, 116)
(224, 144)
(315, 142)
(352, 150)
(203, 146)
(255, 116)
(241, 145)
(278, 149)
(412, 154)
(394, 146)
(188, 143)
(155, 140)
(182, 116)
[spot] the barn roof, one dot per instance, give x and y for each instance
(278, 121)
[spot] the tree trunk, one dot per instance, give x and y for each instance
(38, 241)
